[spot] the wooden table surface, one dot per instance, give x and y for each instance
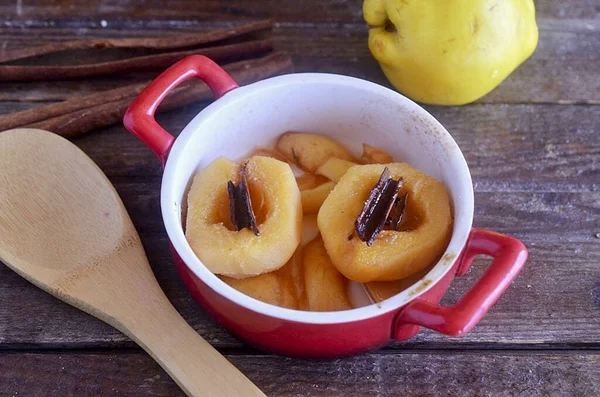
(534, 150)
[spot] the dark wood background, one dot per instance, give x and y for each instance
(534, 150)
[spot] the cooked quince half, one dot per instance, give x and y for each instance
(275, 201)
(324, 286)
(420, 239)
(310, 151)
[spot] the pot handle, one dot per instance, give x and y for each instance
(509, 257)
(139, 117)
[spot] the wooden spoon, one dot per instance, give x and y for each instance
(64, 228)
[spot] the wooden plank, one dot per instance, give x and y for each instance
(533, 148)
(560, 71)
(553, 301)
(407, 374)
(288, 10)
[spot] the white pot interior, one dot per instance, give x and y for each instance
(349, 110)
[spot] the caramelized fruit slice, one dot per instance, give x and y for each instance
(373, 155)
(381, 290)
(283, 287)
(324, 285)
(310, 230)
(276, 203)
(312, 199)
(335, 168)
(310, 181)
(422, 237)
(310, 151)
(259, 151)
(307, 282)
(265, 287)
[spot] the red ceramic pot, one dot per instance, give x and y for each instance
(351, 111)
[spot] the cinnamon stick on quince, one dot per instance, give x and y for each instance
(381, 202)
(240, 204)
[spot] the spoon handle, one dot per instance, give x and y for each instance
(191, 361)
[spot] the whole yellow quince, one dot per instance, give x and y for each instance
(450, 52)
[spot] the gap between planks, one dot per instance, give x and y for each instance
(428, 348)
(570, 25)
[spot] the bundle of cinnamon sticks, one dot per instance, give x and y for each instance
(245, 56)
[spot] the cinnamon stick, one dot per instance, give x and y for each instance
(240, 204)
(224, 53)
(82, 121)
(157, 43)
(29, 116)
(396, 214)
(377, 207)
